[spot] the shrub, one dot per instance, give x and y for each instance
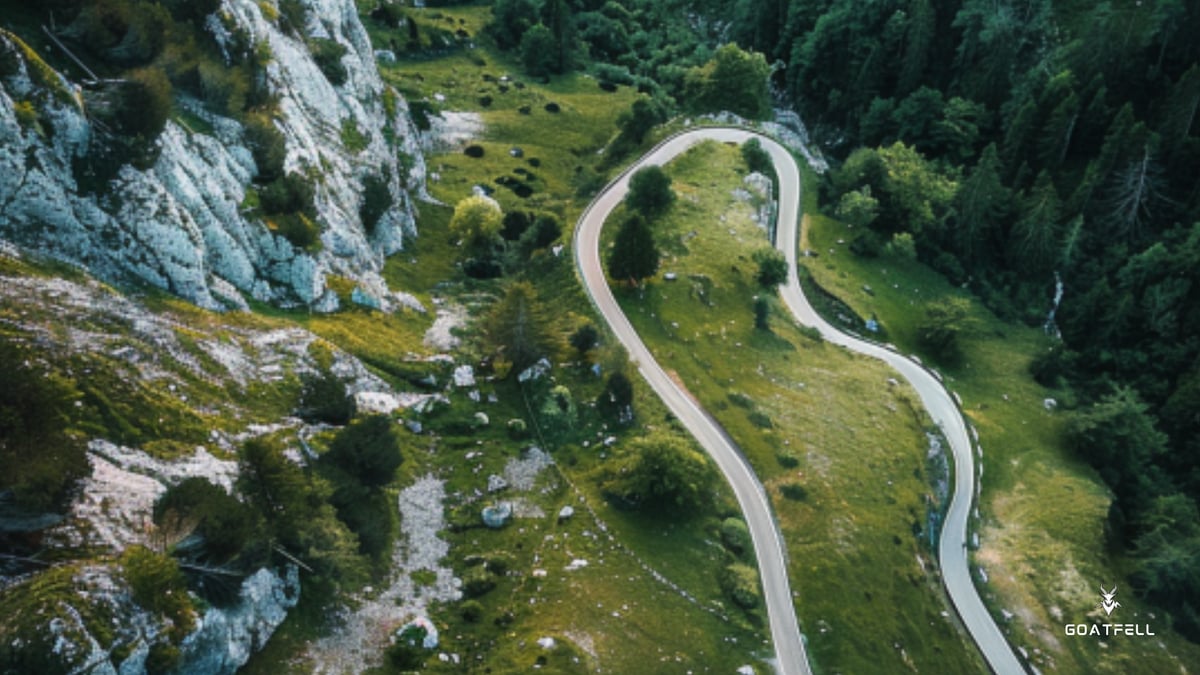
(735, 535)
(762, 312)
(517, 429)
(756, 157)
(482, 268)
(377, 200)
(267, 145)
(327, 54)
(585, 338)
(760, 419)
(794, 491)
(299, 230)
(225, 523)
(514, 225)
(772, 267)
(787, 460)
(43, 459)
(323, 398)
(546, 230)
(477, 221)
(159, 586)
(223, 89)
(367, 450)
(290, 194)
(477, 582)
(471, 611)
(369, 514)
(146, 102)
(27, 115)
(617, 396)
(353, 139)
(740, 582)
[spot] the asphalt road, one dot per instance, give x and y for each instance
(791, 657)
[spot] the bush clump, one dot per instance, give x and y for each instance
(328, 56)
(740, 582)
(292, 193)
(794, 491)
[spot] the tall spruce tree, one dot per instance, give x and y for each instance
(634, 255)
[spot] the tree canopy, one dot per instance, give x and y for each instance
(477, 221)
(650, 192)
(634, 254)
(664, 470)
(520, 327)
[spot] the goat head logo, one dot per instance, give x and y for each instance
(1108, 604)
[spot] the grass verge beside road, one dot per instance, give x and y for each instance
(841, 451)
(1043, 510)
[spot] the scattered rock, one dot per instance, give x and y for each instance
(464, 376)
(361, 297)
(546, 642)
(376, 402)
(535, 372)
(497, 516)
(496, 483)
(565, 513)
(1049, 404)
(576, 564)
(481, 419)
(516, 152)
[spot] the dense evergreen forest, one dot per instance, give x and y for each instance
(1018, 144)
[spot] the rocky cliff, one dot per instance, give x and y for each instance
(183, 223)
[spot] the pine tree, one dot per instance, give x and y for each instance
(556, 15)
(1035, 234)
(520, 327)
(1058, 131)
(982, 204)
(634, 254)
(1182, 107)
(917, 41)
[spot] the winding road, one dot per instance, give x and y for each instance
(790, 654)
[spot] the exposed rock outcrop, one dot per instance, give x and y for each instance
(180, 224)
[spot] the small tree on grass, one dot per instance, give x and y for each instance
(756, 157)
(762, 312)
(650, 192)
(368, 450)
(772, 267)
(741, 583)
(323, 398)
(520, 327)
(616, 401)
(634, 254)
(584, 339)
(941, 326)
(666, 471)
(477, 221)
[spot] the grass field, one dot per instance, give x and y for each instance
(649, 594)
(1043, 510)
(868, 595)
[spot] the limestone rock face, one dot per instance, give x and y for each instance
(225, 638)
(180, 224)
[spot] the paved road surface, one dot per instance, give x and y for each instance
(769, 548)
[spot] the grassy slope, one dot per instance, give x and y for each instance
(612, 614)
(1043, 510)
(864, 583)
